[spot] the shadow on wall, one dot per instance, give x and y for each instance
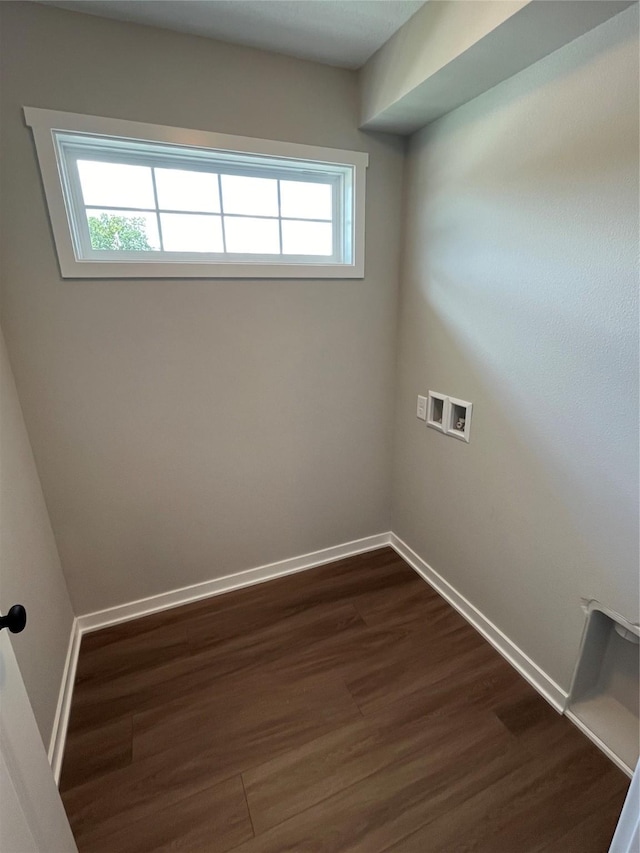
(520, 295)
(522, 525)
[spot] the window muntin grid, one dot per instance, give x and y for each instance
(246, 225)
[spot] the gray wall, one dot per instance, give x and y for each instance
(519, 293)
(187, 429)
(30, 572)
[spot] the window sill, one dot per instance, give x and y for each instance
(129, 270)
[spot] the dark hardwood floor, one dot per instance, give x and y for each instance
(346, 708)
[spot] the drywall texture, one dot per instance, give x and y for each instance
(519, 293)
(187, 429)
(30, 571)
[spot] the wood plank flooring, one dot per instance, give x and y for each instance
(346, 708)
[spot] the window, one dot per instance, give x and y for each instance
(133, 200)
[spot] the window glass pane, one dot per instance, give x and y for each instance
(116, 184)
(185, 232)
(249, 196)
(305, 200)
(307, 238)
(123, 230)
(252, 236)
(179, 189)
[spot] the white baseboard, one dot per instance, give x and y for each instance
(584, 728)
(187, 594)
(63, 709)
(167, 600)
(548, 688)
(528, 669)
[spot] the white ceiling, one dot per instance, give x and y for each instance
(337, 32)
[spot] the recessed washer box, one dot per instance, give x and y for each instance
(437, 410)
(458, 421)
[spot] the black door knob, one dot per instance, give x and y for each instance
(15, 620)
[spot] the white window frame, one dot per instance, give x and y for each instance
(71, 243)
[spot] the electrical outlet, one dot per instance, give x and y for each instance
(421, 411)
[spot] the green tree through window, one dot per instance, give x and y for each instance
(118, 232)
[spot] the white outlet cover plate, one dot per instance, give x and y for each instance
(421, 410)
